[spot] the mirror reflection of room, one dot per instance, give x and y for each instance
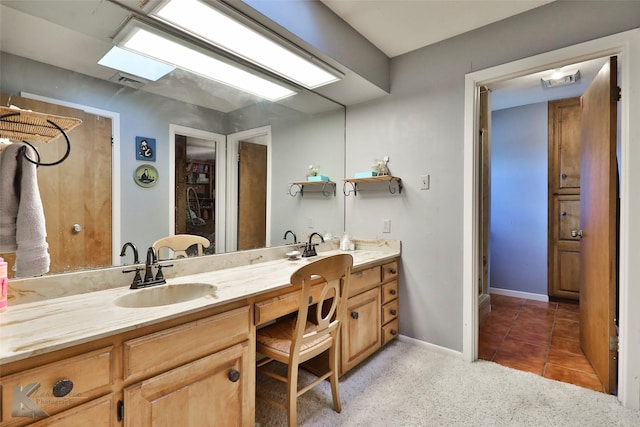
(195, 188)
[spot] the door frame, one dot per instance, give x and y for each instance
(619, 44)
(221, 156)
(232, 182)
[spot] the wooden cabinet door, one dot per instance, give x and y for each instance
(215, 390)
(565, 118)
(361, 328)
(96, 413)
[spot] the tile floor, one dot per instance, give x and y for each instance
(536, 336)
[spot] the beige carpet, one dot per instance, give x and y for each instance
(405, 384)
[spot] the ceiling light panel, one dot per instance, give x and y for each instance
(224, 32)
(152, 43)
(133, 63)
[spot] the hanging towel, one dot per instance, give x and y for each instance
(22, 222)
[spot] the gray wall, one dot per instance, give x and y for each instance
(420, 126)
(519, 164)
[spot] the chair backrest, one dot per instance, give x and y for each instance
(325, 285)
(180, 243)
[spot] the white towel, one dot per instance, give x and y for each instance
(22, 222)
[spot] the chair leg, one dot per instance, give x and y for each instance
(333, 365)
(292, 395)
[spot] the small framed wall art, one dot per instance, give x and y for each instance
(146, 176)
(145, 148)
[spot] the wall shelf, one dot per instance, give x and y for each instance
(297, 187)
(394, 183)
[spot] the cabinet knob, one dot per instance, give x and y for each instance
(62, 387)
(234, 375)
(392, 271)
(563, 213)
(354, 315)
(393, 312)
(394, 332)
(393, 291)
(563, 176)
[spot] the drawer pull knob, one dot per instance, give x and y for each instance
(393, 312)
(394, 332)
(310, 299)
(392, 271)
(234, 375)
(392, 291)
(354, 315)
(62, 387)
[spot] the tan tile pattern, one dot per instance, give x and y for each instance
(539, 337)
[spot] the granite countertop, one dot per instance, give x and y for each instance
(44, 326)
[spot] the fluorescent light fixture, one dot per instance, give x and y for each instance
(132, 63)
(172, 51)
(560, 79)
(221, 30)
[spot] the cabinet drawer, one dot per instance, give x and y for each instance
(390, 271)
(389, 291)
(57, 386)
(164, 350)
(389, 311)
(364, 280)
(390, 331)
(279, 306)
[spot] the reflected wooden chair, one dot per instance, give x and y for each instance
(179, 244)
(312, 331)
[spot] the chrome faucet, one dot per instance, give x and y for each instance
(136, 260)
(295, 239)
(310, 248)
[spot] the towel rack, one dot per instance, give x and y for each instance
(20, 125)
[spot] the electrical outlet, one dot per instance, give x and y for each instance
(310, 222)
(386, 226)
(425, 182)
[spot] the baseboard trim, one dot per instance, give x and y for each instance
(435, 348)
(519, 294)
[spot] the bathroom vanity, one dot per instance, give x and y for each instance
(104, 358)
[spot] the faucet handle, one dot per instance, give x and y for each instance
(159, 275)
(136, 279)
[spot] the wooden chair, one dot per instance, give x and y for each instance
(179, 244)
(294, 339)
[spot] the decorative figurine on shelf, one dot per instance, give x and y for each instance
(380, 166)
(313, 170)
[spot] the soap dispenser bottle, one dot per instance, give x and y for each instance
(345, 242)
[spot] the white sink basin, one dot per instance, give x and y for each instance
(165, 295)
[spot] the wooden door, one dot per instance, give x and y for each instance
(598, 223)
(252, 196)
(211, 391)
(565, 118)
(484, 298)
(77, 191)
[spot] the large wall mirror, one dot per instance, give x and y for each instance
(200, 139)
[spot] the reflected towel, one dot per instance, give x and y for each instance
(22, 222)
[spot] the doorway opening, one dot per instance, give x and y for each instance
(199, 181)
(613, 45)
(530, 145)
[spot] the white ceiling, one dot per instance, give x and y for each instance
(400, 26)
